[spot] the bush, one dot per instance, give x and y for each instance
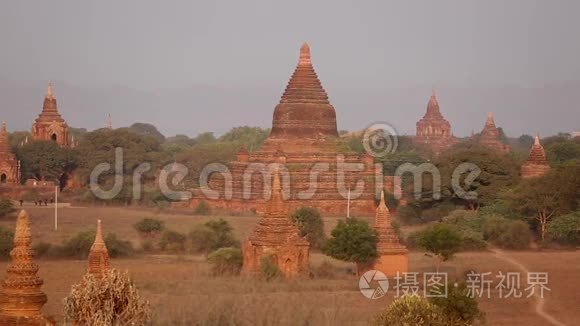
(149, 226)
(117, 247)
(505, 233)
(499, 208)
(458, 305)
(565, 229)
(437, 212)
(409, 214)
(113, 300)
(6, 207)
(202, 208)
(353, 241)
(226, 261)
(172, 241)
(42, 249)
(311, 226)
(468, 225)
(269, 269)
(6, 243)
(323, 271)
(212, 236)
(441, 240)
(411, 310)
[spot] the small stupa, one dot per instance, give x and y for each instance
(21, 299)
(99, 262)
(536, 165)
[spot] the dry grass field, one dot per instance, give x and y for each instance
(182, 291)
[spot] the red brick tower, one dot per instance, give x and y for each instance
(433, 130)
(536, 165)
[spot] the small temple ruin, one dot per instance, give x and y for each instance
(433, 131)
(536, 165)
(490, 137)
(304, 136)
(9, 165)
(393, 256)
(275, 237)
(98, 260)
(50, 126)
(21, 298)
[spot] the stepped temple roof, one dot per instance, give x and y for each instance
(536, 165)
(490, 136)
(388, 240)
(99, 262)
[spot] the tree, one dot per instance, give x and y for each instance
(458, 306)
(212, 236)
(6, 207)
(352, 240)
(565, 229)
(226, 261)
(311, 226)
(412, 310)
(499, 172)
(45, 160)
(146, 129)
(441, 240)
(560, 152)
(556, 193)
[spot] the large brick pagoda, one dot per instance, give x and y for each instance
(50, 125)
(433, 130)
(276, 238)
(9, 165)
(21, 299)
(490, 137)
(536, 165)
(304, 134)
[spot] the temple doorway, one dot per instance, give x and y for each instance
(3, 178)
(53, 137)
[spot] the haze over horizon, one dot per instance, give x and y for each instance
(193, 67)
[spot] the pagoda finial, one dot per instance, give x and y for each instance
(433, 92)
(304, 55)
(4, 128)
(382, 203)
(537, 140)
(49, 93)
(109, 122)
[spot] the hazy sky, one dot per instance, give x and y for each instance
(152, 46)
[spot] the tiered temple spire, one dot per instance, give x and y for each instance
(9, 165)
(433, 130)
(99, 262)
(490, 136)
(50, 125)
(536, 165)
(21, 299)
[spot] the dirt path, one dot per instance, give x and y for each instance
(539, 308)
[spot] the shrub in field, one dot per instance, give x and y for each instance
(457, 305)
(202, 208)
(352, 240)
(6, 207)
(149, 227)
(409, 214)
(506, 233)
(269, 269)
(6, 243)
(211, 236)
(441, 240)
(42, 249)
(172, 241)
(311, 226)
(565, 229)
(411, 310)
(112, 300)
(78, 247)
(226, 261)
(117, 247)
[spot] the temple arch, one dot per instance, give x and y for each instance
(3, 178)
(53, 137)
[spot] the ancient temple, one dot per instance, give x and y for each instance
(303, 137)
(9, 165)
(21, 299)
(50, 125)
(490, 137)
(433, 130)
(99, 262)
(393, 256)
(536, 165)
(276, 238)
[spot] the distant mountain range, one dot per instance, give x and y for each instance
(550, 109)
